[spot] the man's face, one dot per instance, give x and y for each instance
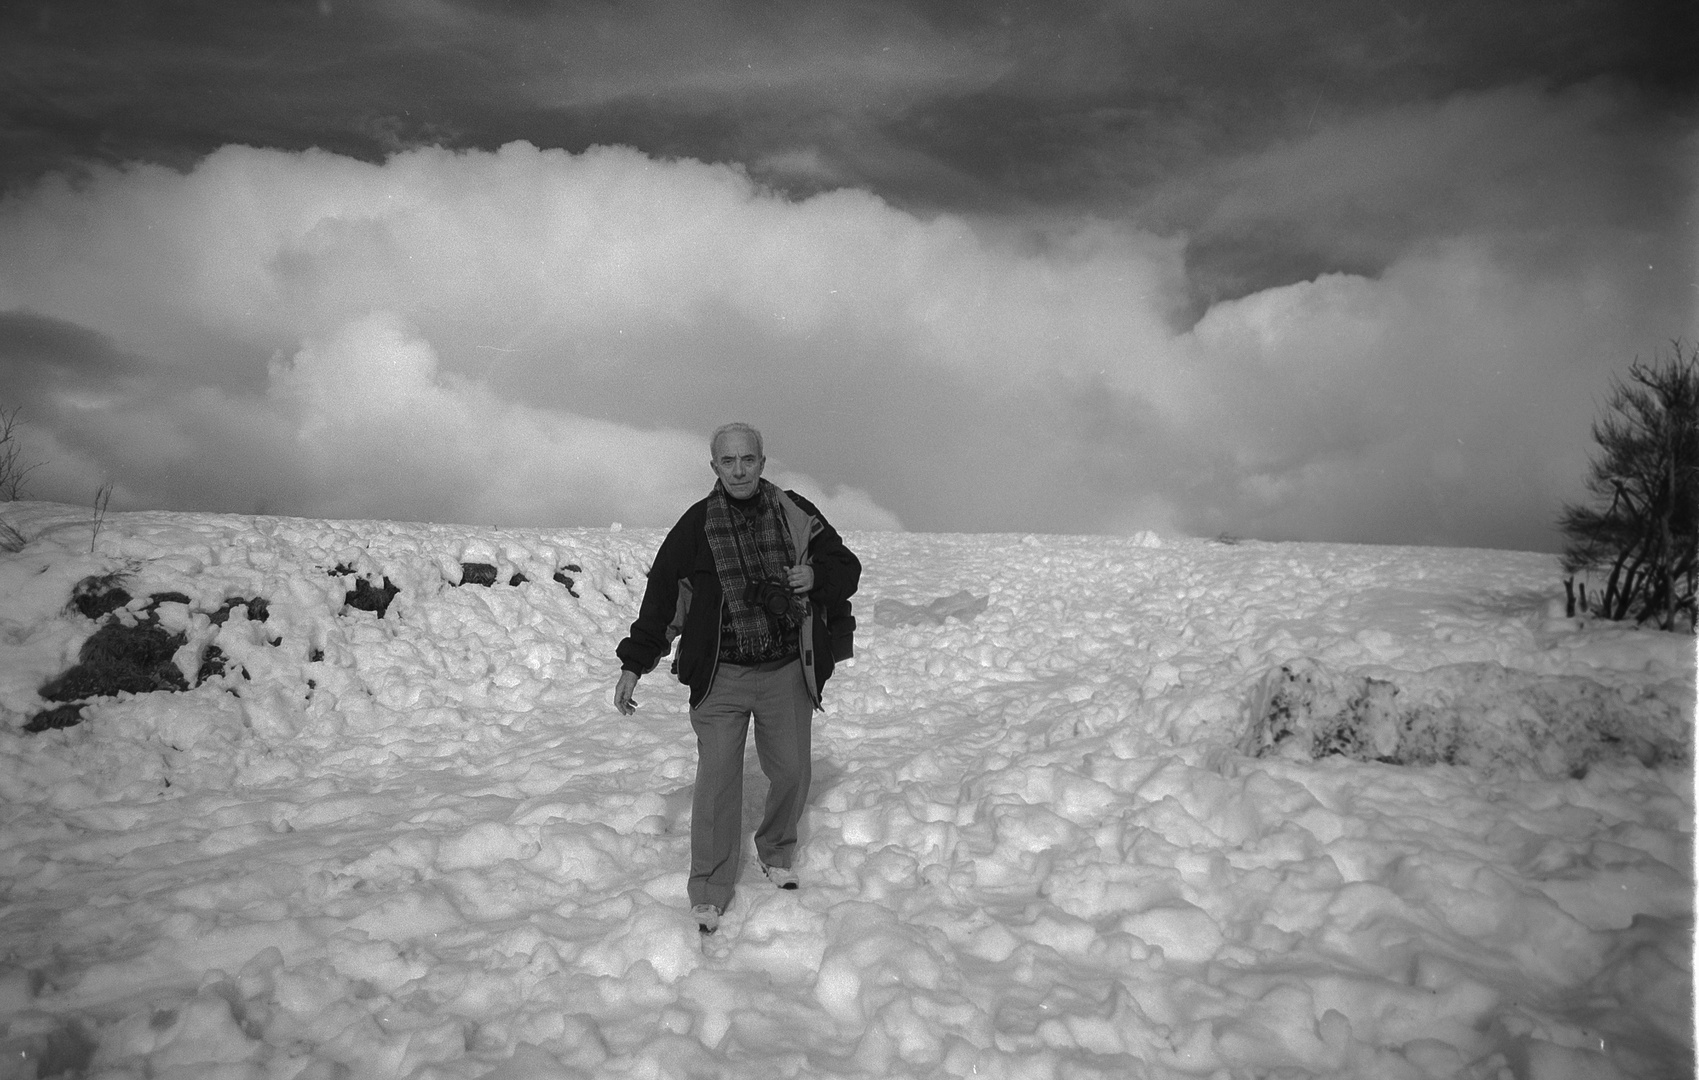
(737, 464)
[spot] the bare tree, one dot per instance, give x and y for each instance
(1641, 529)
(12, 467)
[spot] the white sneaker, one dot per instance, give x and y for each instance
(707, 917)
(782, 876)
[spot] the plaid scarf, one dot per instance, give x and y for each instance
(746, 550)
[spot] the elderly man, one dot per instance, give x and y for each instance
(749, 580)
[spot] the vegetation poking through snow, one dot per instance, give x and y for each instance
(13, 471)
(100, 594)
(1473, 714)
(102, 497)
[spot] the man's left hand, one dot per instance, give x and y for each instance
(801, 578)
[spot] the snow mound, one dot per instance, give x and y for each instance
(1478, 714)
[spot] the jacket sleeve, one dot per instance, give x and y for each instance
(837, 572)
(649, 640)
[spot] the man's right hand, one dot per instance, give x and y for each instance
(623, 691)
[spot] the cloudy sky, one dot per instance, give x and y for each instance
(1328, 270)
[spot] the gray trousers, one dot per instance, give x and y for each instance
(778, 699)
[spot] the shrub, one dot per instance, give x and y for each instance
(1641, 529)
(12, 468)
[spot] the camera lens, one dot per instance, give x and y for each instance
(769, 596)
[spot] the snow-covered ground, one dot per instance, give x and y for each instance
(1041, 842)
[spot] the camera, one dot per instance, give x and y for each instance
(773, 597)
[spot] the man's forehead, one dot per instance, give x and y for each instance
(736, 444)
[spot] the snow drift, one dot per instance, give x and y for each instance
(1129, 818)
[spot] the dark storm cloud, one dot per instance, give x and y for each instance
(1019, 98)
(170, 82)
(1132, 109)
(1160, 112)
(34, 339)
(38, 353)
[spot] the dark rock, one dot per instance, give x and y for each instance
(518, 579)
(259, 609)
(564, 580)
(121, 659)
(212, 664)
(365, 597)
(63, 716)
(477, 573)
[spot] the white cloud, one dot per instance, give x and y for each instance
(846, 507)
(1451, 391)
(530, 336)
(376, 422)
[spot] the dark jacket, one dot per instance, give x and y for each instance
(683, 599)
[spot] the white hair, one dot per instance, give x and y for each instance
(737, 428)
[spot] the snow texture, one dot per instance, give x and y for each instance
(962, 605)
(1161, 808)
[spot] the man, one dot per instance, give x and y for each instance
(747, 580)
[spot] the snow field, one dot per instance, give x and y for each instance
(425, 845)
